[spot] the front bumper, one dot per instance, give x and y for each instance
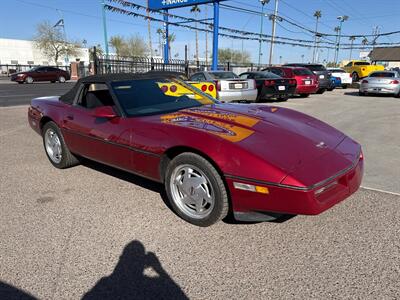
(283, 199)
(229, 96)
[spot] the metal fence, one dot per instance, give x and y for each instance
(118, 64)
(8, 69)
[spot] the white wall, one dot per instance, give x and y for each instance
(24, 52)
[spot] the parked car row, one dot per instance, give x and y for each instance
(275, 82)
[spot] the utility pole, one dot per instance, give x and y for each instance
(352, 38)
(263, 2)
(105, 28)
(149, 29)
(341, 20)
(318, 15)
(274, 18)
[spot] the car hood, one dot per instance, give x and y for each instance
(283, 137)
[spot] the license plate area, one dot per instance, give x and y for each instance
(238, 86)
(281, 88)
(307, 82)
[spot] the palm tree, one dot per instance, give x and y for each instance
(160, 33)
(195, 9)
(171, 39)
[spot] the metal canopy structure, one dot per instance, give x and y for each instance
(171, 4)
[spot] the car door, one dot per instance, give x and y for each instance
(101, 139)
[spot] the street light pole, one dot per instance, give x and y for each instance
(341, 20)
(352, 38)
(105, 28)
(274, 17)
(263, 2)
(318, 15)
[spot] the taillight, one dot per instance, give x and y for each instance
(364, 81)
(211, 87)
(394, 82)
(361, 155)
(204, 88)
(350, 75)
(363, 69)
(269, 82)
(164, 88)
(173, 88)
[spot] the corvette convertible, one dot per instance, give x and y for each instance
(256, 162)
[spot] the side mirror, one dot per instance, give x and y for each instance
(104, 112)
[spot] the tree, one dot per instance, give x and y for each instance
(99, 52)
(171, 39)
(195, 9)
(52, 43)
(131, 46)
(233, 56)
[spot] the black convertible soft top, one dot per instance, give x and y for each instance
(108, 78)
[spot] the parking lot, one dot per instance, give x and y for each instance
(95, 231)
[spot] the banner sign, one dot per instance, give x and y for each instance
(167, 4)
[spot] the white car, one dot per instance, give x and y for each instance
(230, 87)
(343, 75)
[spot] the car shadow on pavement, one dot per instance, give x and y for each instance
(9, 292)
(138, 275)
(374, 95)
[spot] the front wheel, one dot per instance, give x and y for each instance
(195, 190)
(29, 79)
(55, 147)
(355, 77)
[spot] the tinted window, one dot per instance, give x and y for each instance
(382, 74)
(336, 70)
(350, 64)
(223, 75)
(95, 95)
(268, 75)
(316, 67)
(302, 72)
(361, 63)
(198, 77)
(157, 96)
(277, 72)
(244, 76)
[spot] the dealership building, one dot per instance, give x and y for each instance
(23, 52)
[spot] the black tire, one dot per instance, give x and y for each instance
(304, 95)
(344, 86)
(221, 203)
(29, 79)
(397, 95)
(62, 79)
(330, 90)
(321, 91)
(355, 77)
(52, 81)
(67, 158)
(361, 93)
(20, 82)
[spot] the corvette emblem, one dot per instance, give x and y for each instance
(321, 145)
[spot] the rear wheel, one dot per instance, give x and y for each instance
(361, 93)
(195, 190)
(55, 147)
(304, 95)
(29, 79)
(344, 86)
(330, 89)
(282, 98)
(321, 91)
(61, 79)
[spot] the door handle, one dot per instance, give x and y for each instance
(70, 117)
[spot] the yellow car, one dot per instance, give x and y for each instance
(178, 90)
(360, 69)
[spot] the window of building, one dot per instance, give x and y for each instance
(14, 62)
(30, 62)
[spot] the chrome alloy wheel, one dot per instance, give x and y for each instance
(53, 145)
(192, 191)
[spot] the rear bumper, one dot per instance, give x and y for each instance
(307, 89)
(324, 83)
(271, 92)
(283, 199)
(379, 89)
(229, 96)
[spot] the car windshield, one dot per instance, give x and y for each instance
(157, 96)
(382, 74)
(302, 72)
(268, 75)
(361, 63)
(337, 70)
(223, 75)
(316, 67)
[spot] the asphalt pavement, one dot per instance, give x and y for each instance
(12, 93)
(96, 232)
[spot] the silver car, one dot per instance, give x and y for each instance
(381, 82)
(230, 88)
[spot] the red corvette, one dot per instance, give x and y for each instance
(253, 160)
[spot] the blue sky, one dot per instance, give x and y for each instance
(83, 21)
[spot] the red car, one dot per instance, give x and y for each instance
(307, 81)
(256, 161)
(41, 74)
